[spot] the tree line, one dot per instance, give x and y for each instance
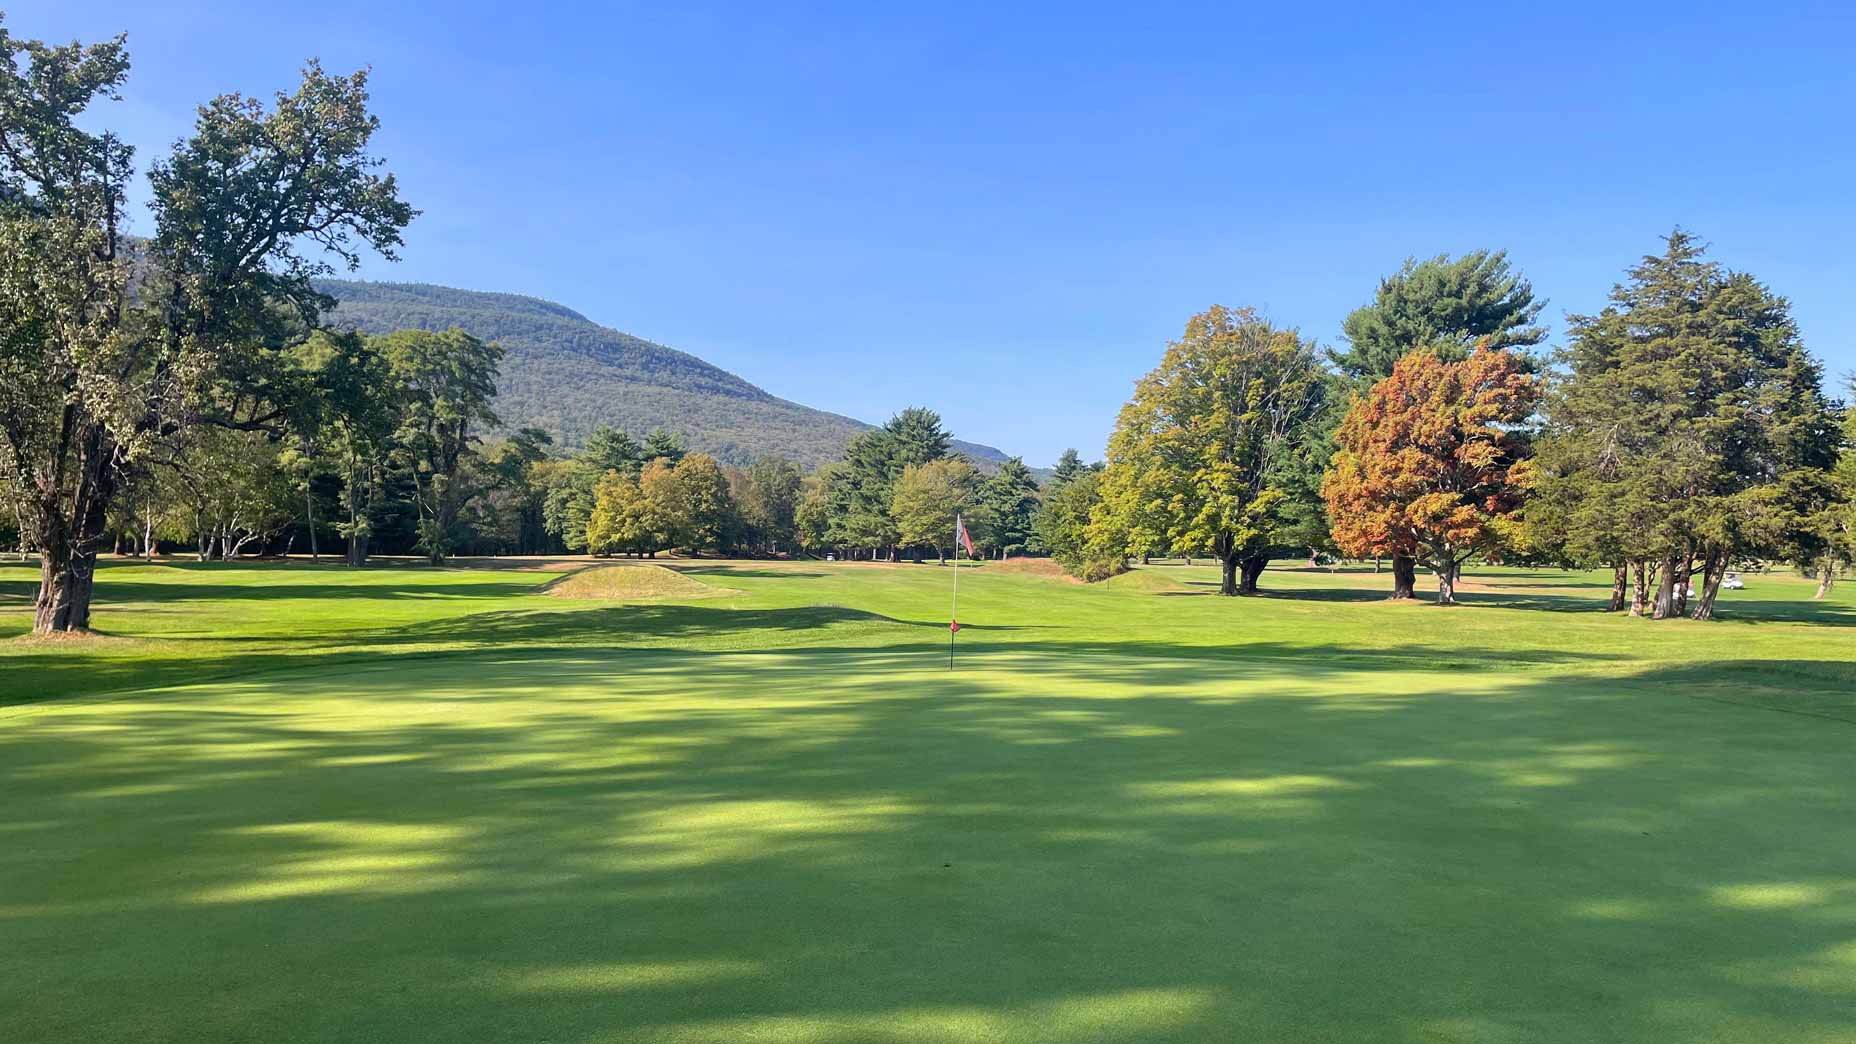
(181, 387)
(1682, 431)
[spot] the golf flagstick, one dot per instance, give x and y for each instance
(953, 616)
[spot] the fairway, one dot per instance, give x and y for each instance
(292, 803)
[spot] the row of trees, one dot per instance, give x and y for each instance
(378, 439)
(179, 386)
(113, 348)
(1683, 430)
(899, 488)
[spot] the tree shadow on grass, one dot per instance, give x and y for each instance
(832, 845)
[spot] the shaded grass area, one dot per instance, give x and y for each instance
(425, 810)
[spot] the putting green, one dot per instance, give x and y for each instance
(302, 804)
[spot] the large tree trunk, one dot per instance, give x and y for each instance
(1620, 580)
(65, 585)
(53, 610)
(309, 513)
(1665, 592)
(1404, 577)
(1446, 585)
(1251, 571)
(1227, 585)
(1713, 569)
(1685, 568)
(68, 545)
(1641, 577)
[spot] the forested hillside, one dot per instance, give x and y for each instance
(566, 374)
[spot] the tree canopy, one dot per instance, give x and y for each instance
(1448, 306)
(1430, 464)
(1198, 454)
(113, 346)
(1691, 432)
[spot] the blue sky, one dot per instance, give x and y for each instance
(1005, 214)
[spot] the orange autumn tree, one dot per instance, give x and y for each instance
(1430, 464)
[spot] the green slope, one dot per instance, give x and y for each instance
(566, 374)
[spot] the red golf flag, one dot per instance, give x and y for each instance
(960, 533)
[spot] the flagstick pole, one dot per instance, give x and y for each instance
(954, 613)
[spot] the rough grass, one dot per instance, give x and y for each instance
(299, 804)
(630, 582)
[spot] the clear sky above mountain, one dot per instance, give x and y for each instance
(1004, 215)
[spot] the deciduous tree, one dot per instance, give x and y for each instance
(707, 508)
(767, 497)
(927, 497)
(618, 521)
(1197, 458)
(108, 348)
(1444, 305)
(1430, 462)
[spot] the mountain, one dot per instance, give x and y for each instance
(567, 375)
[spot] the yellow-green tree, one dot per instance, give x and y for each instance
(926, 499)
(617, 521)
(662, 516)
(708, 510)
(1198, 458)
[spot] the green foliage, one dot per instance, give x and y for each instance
(708, 510)
(1202, 456)
(1063, 528)
(862, 494)
(346, 424)
(664, 445)
(1009, 504)
(767, 496)
(820, 495)
(1448, 306)
(109, 347)
(609, 449)
(445, 382)
(617, 522)
(1692, 428)
(927, 498)
(1069, 466)
(1828, 544)
(663, 517)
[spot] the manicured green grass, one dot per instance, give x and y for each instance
(287, 803)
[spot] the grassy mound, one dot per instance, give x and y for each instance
(1044, 567)
(629, 582)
